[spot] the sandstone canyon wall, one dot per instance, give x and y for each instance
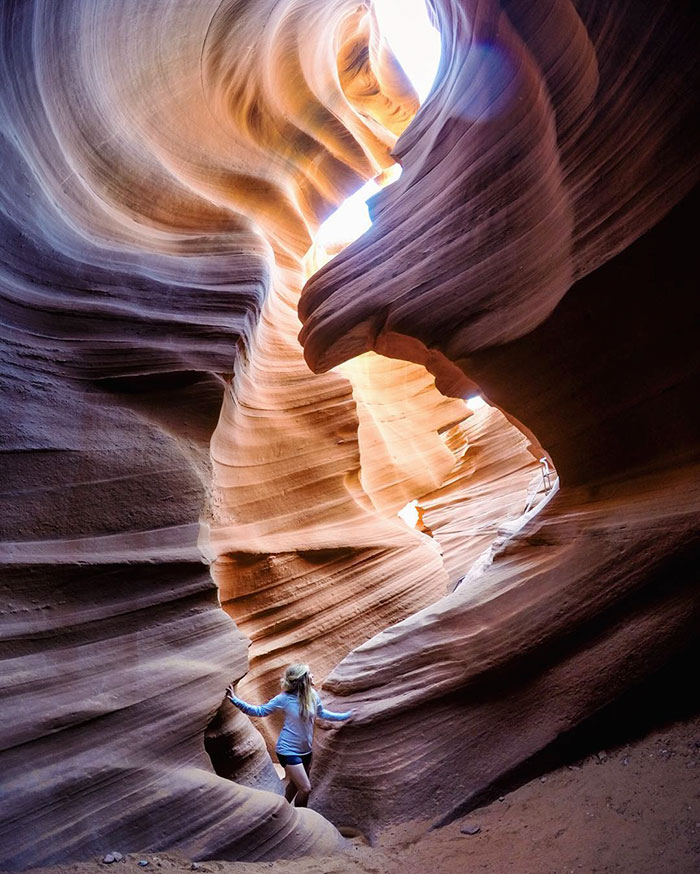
(166, 165)
(519, 188)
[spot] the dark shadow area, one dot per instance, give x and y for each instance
(606, 381)
(668, 696)
(237, 751)
(185, 404)
(150, 382)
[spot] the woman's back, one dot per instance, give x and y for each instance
(298, 732)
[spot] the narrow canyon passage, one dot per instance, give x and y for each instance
(312, 472)
(187, 382)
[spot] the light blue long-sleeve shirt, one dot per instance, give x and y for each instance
(297, 733)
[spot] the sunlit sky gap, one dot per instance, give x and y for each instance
(414, 41)
(407, 28)
(409, 514)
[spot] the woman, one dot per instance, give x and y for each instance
(301, 705)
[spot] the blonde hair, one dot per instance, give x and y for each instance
(297, 681)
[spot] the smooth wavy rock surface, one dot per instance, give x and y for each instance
(153, 197)
(166, 164)
(524, 171)
(515, 254)
(583, 602)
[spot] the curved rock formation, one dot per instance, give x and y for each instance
(166, 165)
(548, 147)
(509, 155)
(131, 275)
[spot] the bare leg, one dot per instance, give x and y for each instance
(299, 779)
(290, 790)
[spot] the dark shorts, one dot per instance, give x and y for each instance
(304, 760)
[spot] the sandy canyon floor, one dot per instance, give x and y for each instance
(631, 809)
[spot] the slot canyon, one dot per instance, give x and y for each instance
(452, 462)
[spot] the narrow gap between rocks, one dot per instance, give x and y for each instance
(447, 484)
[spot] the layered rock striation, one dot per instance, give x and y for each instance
(137, 256)
(515, 253)
(166, 166)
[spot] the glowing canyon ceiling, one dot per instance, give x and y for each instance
(195, 419)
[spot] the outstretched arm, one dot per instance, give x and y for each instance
(331, 715)
(250, 709)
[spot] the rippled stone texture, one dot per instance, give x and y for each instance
(515, 253)
(153, 200)
(165, 166)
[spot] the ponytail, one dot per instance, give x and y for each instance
(297, 681)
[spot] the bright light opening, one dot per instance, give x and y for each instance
(351, 219)
(476, 402)
(406, 26)
(409, 514)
